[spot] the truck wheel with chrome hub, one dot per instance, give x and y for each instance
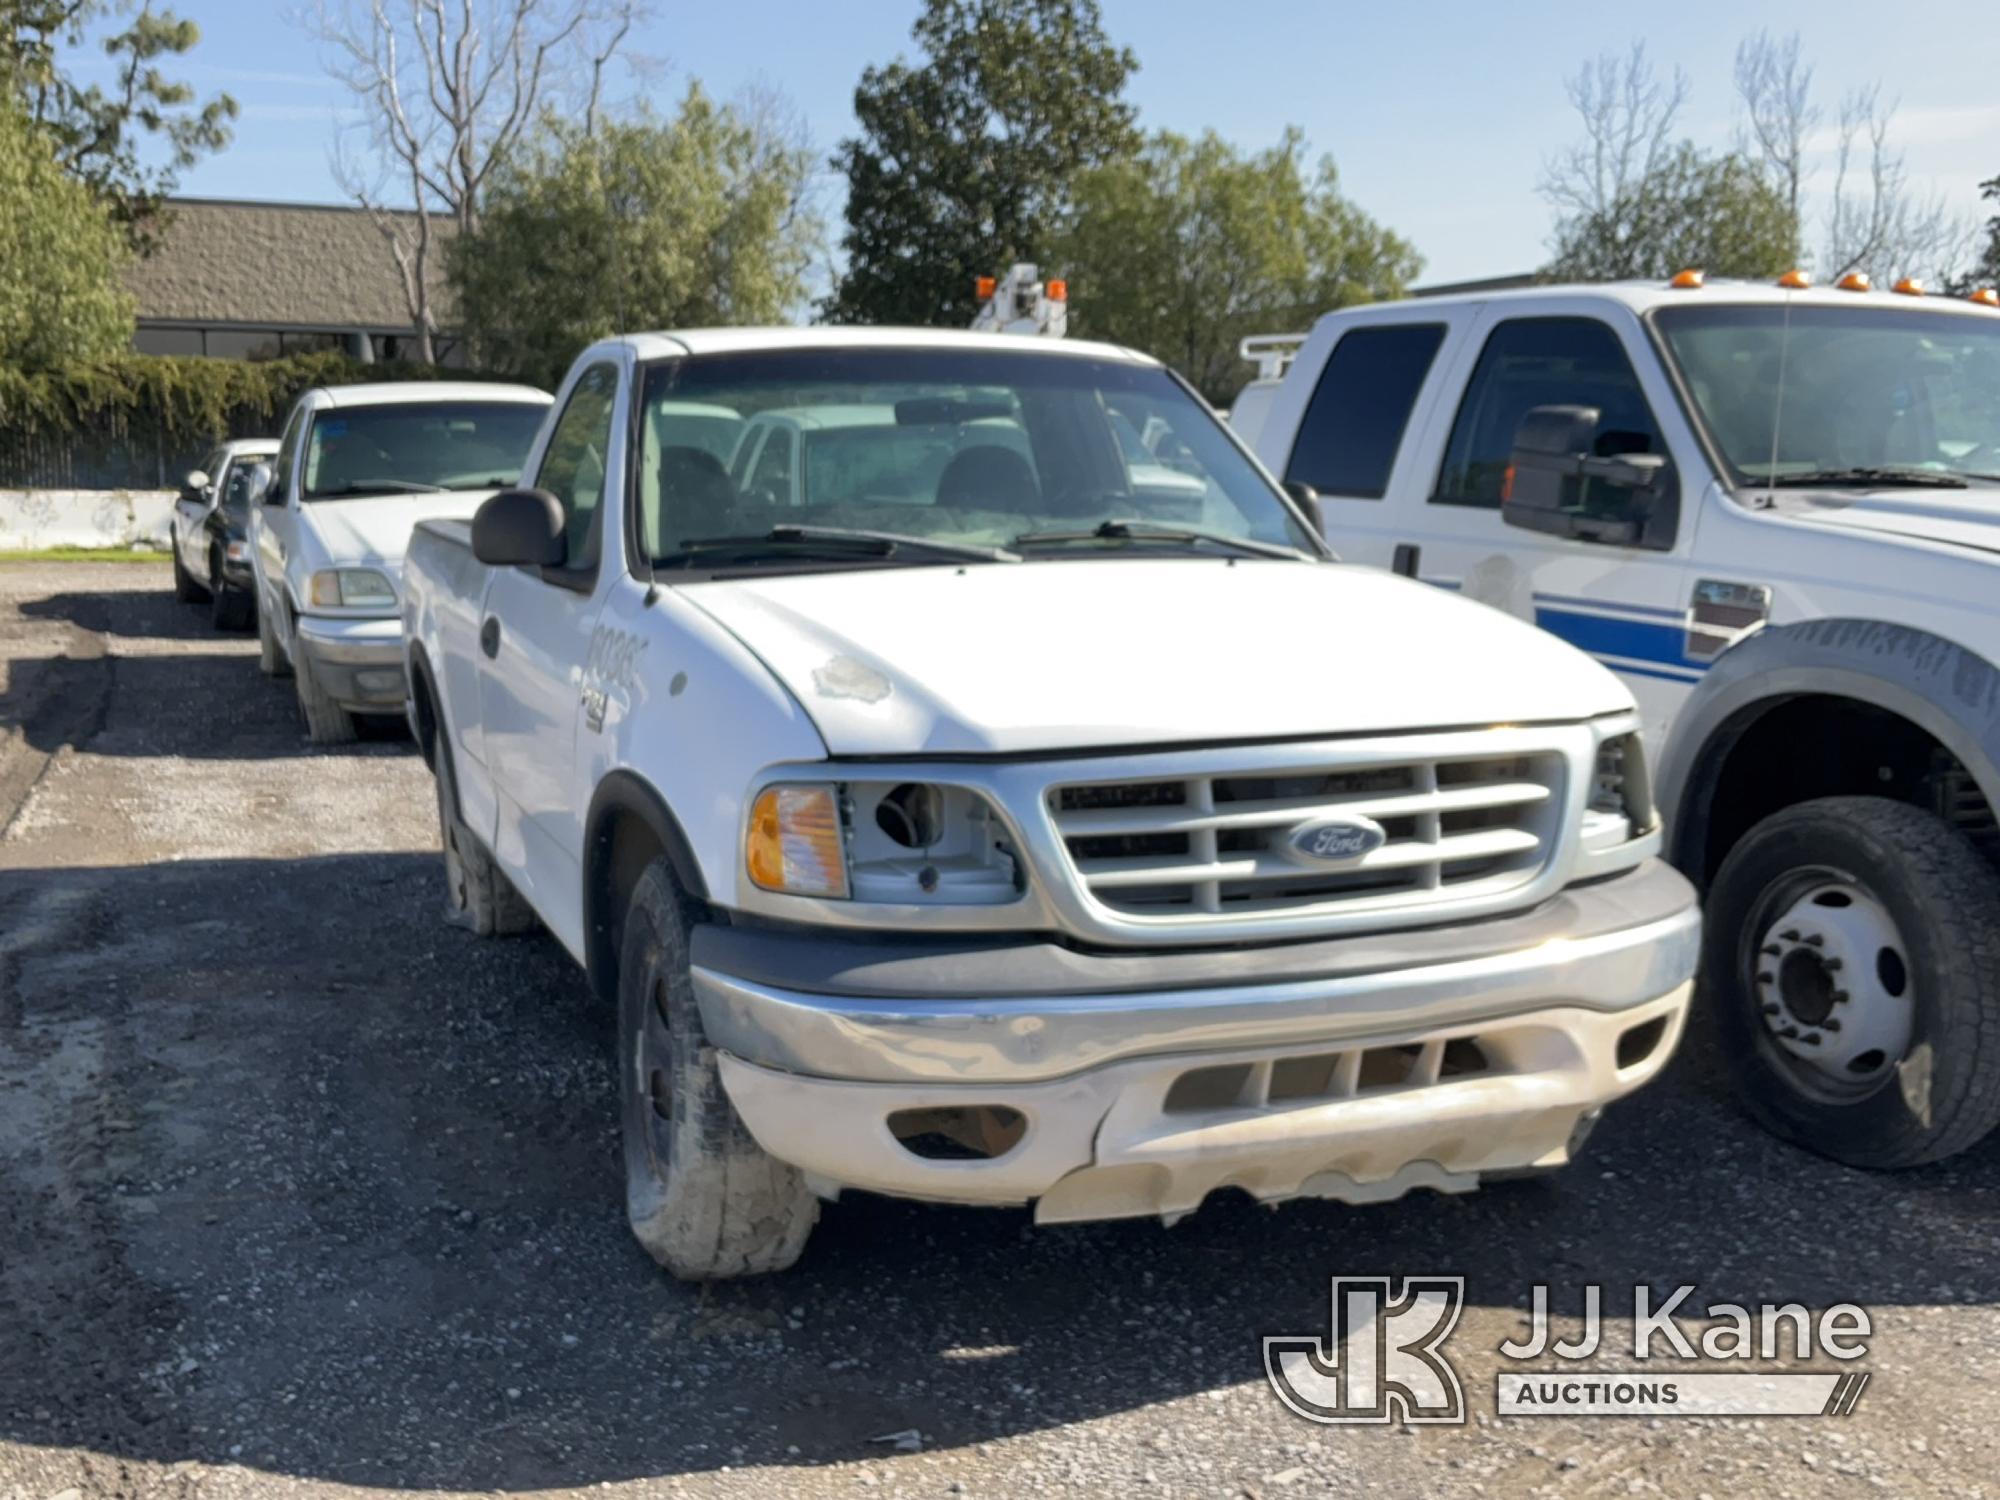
(1853, 957)
(270, 654)
(702, 1196)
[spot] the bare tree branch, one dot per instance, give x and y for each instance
(1775, 87)
(447, 91)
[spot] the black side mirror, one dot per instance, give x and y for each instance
(1306, 498)
(520, 529)
(1554, 462)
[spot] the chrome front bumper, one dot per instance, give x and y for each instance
(359, 662)
(1290, 1097)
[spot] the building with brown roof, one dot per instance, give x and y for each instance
(241, 280)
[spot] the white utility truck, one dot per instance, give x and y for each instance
(968, 821)
(1775, 512)
(357, 467)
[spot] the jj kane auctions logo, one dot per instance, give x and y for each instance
(1383, 1358)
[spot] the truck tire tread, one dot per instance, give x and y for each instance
(478, 897)
(724, 1206)
(1957, 899)
(327, 723)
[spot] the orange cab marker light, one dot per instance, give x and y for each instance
(1688, 280)
(1985, 297)
(1909, 286)
(984, 287)
(1796, 281)
(1058, 291)
(1855, 281)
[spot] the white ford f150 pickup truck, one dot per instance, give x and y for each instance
(1775, 512)
(968, 822)
(357, 467)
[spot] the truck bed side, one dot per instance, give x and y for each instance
(445, 589)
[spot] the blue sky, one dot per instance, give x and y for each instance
(1439, 115)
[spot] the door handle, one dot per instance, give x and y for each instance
(489, 636)
(1407, 556)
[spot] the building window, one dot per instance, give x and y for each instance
(167, 341)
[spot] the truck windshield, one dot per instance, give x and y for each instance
(405, 449)
(1867, 390)
(988, 448)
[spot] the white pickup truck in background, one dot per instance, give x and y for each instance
(1775, 512)
(975, 816)
(357, 467)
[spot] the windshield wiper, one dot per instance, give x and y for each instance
(839, 540)
(378, 487)
(1923, 479)
(1146, 531)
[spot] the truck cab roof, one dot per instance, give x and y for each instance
(699, 341)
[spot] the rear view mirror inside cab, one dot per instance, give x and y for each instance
(1561, 480)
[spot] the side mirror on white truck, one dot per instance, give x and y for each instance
(1774, 511)
(1556, 474)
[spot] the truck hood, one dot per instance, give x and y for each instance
(1013, 658)
(1962, 518)
(376, 528)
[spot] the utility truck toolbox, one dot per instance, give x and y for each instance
(1774, 510)
(921, 781)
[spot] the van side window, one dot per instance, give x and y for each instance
(1354, 423)
(573, 466)
(1530, 362)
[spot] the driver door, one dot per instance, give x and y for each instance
(535, 637)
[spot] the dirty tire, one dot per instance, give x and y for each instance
(270, 656)
(186, 588)
(228, 608)
(702, 1196)
(1944, 1094)
(327, 723)
(477, 896)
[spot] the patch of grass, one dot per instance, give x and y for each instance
(86, 554)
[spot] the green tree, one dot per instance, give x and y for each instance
(60, 258)
(966, 161)
(1716, 212)
(692, 221)
(1188, 245)
(97, 134)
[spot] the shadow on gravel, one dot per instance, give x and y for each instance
(295, 1176)
(150, 613)
(197, 706)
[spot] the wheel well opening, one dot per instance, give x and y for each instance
(621, 850)
(1773, 756)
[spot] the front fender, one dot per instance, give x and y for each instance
(1951, 693)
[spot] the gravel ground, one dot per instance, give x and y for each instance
(304, 1192)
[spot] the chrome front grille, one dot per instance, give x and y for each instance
(1215, 845)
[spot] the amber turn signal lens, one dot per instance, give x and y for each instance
(984, 287)
(1985, 297)
(1855, 281)
(1795, 281)
(1688, 280)
(1058, 291)
(794, 844)
(1909, 286)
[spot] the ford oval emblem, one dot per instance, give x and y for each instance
(1335, 841)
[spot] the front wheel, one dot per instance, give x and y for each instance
(702, 1196)
(1853, 960)
(327, 723)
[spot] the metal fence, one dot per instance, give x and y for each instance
(122, 450)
